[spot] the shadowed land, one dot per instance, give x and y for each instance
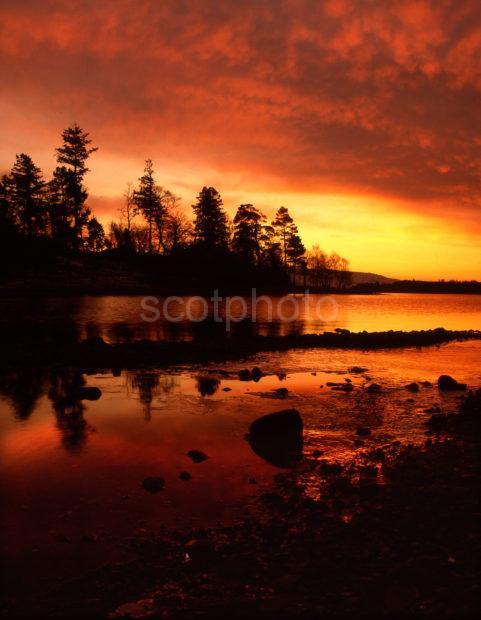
(22, 348)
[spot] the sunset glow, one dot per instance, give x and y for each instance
(363, 118)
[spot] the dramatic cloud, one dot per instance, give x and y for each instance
(379, 98)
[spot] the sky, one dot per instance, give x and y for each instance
(363, 117)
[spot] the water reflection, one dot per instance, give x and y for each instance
(23, 388)
(118, 319)
(68, 408)
(207, 386)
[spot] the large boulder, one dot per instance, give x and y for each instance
(278, 437)
(445, 382)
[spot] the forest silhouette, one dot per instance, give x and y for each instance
(42, 219)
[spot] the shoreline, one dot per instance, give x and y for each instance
(32, 350)
(393, 534)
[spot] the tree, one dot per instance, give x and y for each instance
(146, 199)
(95, 241)
(317, 265)
(210, 224)
(295, 253)
(27, 197)
(246, 240)
(179, 231)
(284, 226)
(127, 211)
(73, 154)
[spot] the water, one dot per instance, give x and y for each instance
(118, 319)
(72, 470)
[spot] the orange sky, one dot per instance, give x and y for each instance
(363, 118)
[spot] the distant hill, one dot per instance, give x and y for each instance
(362, 277)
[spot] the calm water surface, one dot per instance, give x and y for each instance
(119, 318)
(72, 470)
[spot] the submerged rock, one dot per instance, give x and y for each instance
(245, 374)
(446, 382)
(88, 393)
(197, 456)
(412, 387)
(373, 388)
(278, 437)
(357, 370)
(256, 373)
(153, 484)
(281, 392)
(185, 476)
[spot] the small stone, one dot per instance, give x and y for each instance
(197, 456)
(185, 476)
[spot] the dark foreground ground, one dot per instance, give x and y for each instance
(394, 535)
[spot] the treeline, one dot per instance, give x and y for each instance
(152, 223)
(469, 287)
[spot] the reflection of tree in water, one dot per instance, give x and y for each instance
(68, 408)
(149, 385)
(23, 388)
(207, 386)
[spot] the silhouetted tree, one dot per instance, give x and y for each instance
(246, 240)
(73, 154)
(210, 224)
(284, 226)
(27, 197)
(95, 241)
(146, 199)
(127, 212)
(295, 253)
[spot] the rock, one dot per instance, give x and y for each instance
(445, 382)
(426, 383)
(359, 442)
(245, 375)
(363, 431)
(343, 387)
(355, 370)
(334, 383)
(185, 476)
(197, 456)
(153, 484)
(317, 453)
(412, 387)
(281, 392)
(88, 393)
(278, 437)
(374, 388)
(256, 373)
(227, 389)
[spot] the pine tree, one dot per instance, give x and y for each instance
(95, 241)
(147, 199)
(27, 196)
(210, 225)
(74, 154)
(246, 240)
(284, 226)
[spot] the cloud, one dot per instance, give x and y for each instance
(375, 97)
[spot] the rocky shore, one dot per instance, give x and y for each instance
(393, 534)
(24, 348)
